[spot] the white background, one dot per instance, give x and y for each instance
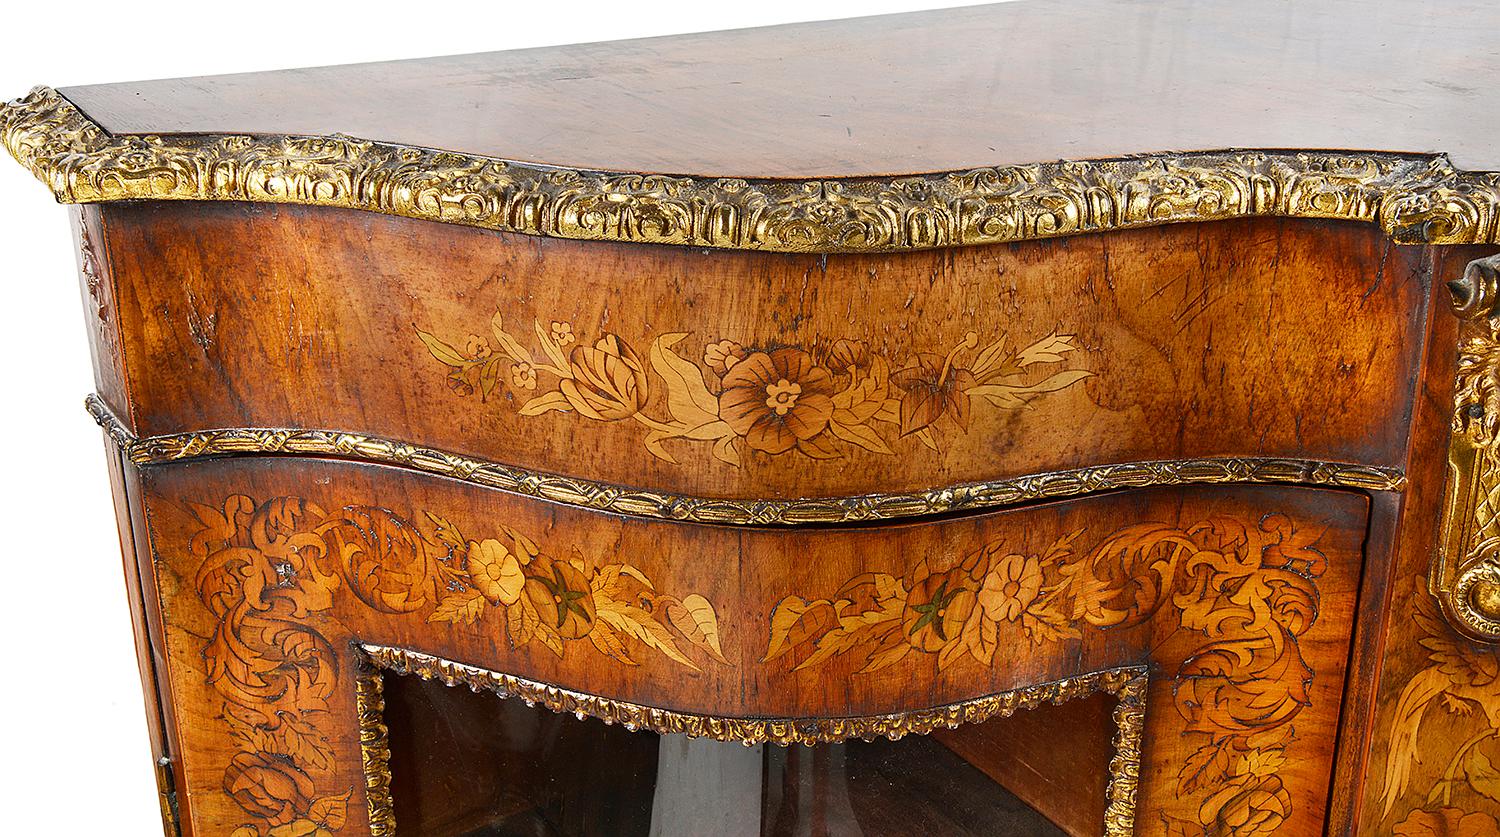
(74, 729)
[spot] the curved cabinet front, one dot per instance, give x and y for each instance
(753, 376)
(1224, 613)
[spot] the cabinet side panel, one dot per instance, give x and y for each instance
(1435, 730)
(101, 313)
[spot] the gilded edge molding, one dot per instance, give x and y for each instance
(1464, 574)
(606, 497)
(1127, 684)
(375, 751)
(1413, 198)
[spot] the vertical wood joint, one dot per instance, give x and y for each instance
(166, 790)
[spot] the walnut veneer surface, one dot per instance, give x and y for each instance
(723, 386)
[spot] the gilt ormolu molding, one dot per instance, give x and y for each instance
(375, 750)
(1413, 198)
(575, 491)
(1465, 573)
(1128, 685)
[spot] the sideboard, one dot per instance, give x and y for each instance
(1045, 418)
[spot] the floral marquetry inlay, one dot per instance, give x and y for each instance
(738, 398)
(1244, 592)
(1442, 770)
(265, 569)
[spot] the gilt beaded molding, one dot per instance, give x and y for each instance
(1413, 198)
(601, 496)
(1127, 684)
(375, 751)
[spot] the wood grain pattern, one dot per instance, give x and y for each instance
(1276, 660)
(1050, 755)
(268, 595)
(1429, 736)
(1078, 80)
(328, 306)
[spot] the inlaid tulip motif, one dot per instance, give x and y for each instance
(741, 400)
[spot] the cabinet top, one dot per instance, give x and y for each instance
(1013, 83)
(1012, 87)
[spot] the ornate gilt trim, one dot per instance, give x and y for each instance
(965, 606)
(1465, 573)
(1127, 684)
(1125, 764)
(601, 496)
(748, 731)
(1413, 198)
(375, 749)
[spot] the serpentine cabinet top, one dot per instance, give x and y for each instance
(883, 133)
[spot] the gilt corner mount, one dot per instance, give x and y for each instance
(1413, 198)
(1465, 573)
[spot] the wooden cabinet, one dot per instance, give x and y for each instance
(889, 479)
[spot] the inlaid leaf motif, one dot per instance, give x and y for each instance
(1458, 681)
(330, 811)
(1482, 776)
(693, 616)
(442, 351)
(460, 607)
(1244, 590)
(824, 403)
(795, 621)
(688, 399)
(298, 737)
(641, 625)
(265, 567)
(609, 644)
(546, 403)
(1049, 349)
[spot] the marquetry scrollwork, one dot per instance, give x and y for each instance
(1414, 198)
(269, 573)
(1465, 573)
(1244, 592)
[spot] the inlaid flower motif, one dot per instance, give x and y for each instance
(824, 399)
(477, 348)
(936, 610)
(777, 399)
(268, 786)
(495, 571)
(459, 383)
(849, 354)
(722, 355)
(1237, 695)
(562, 597)
(1010, 587)
(1247, 806)
(608, 380)
(266, 567)
(523, 376)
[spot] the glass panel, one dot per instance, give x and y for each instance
(474, 765)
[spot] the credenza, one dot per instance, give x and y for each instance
(1045, 418)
